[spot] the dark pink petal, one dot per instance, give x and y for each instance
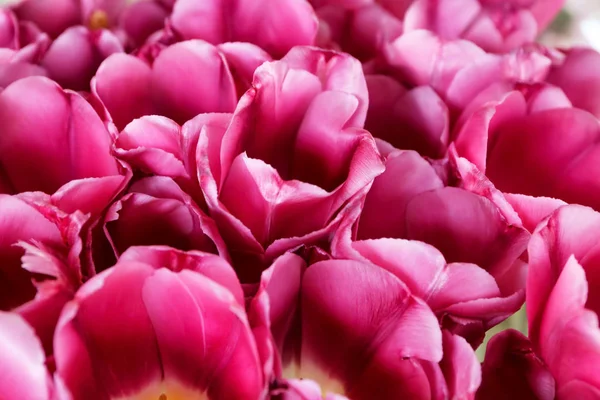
(36, 140)
(512, 370)
(384, 212)
(190, 78)
(209, 265)
(578, 77)
(567, 134)
(461, 367)
(305, 389)
(413, 120)
(189, 308)
(74, 57)
(275, 27)
(105, 343)
(388, 330)
(480, 235)
(157, 212)
(123, 84)
(20, 222)
(141, 19)
(23, 373)
(52, 18)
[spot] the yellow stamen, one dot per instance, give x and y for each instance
(99, 20)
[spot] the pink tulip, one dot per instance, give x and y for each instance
(577, 75)
(459, 70)
(184, 80)
(496, 26)
(292, 156)
(512, 370)
(148, 328)
(355, 329)
(23, 374)
(562, 300)
(275, 26)
(73, 57)
(52, 141)
(551, 146)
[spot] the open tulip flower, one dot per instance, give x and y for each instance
(296, 200)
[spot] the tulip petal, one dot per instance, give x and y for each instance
(36, 141)
(23, 373)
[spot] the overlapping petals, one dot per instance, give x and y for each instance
(294, 145)
(137, 343)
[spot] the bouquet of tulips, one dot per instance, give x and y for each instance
(296, 200)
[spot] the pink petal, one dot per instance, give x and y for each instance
(123, 84)
(393, 319)
(74, 56)
(37, 140)
(52, 18)
(157, 212)
(190, 78)
(196, 310)
(512, 370)
(105, 343)
(384, 212)
(23, 373)
(461, 367)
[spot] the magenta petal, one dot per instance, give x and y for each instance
(152, 144)
(196, 310)
(480, 235)
(20, 222)
(384, 212)
(123, 84)
(74, 56)
(461, 367)
(36, 141)
(23, 373)
(534, 169)
(272, 206)
(533, 210)
(393, 319)
(190, 78)
(243, 59)
(105, 343)
(578, 77)
(158, 212)
(52, 18)
(209, 265)
(511, 370)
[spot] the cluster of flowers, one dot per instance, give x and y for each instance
(291, 199)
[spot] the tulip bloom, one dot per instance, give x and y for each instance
(182, 81)
(562, 300)
(291, 158)
(169, 327)
(391, 345)
(275, 26)
(44, 148)
(495, 25)
(551, 146)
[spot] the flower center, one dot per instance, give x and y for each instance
(167, 390)
(99, 20)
